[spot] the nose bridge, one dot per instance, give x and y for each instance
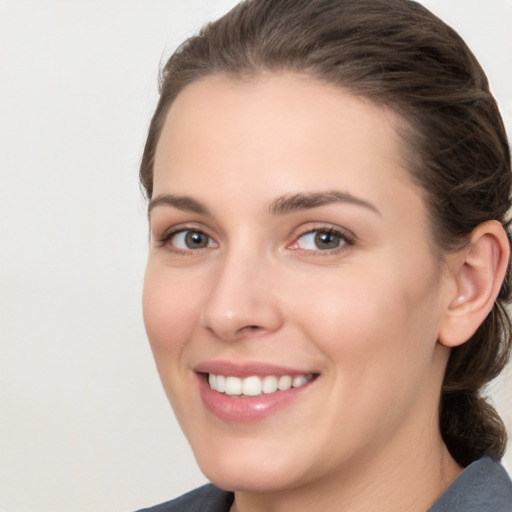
(241, 298)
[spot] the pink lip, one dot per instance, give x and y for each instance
(249, 369)
(244, 409)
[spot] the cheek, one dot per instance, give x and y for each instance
(365, 317)
(378, 339)
(170, 309)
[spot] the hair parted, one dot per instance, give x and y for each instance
(398, 55)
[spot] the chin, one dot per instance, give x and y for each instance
(254, 481)
(240, 471)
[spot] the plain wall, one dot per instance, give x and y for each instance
(84, 423)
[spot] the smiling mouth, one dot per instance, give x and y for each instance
(255, 385)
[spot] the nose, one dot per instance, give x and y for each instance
(242, 302)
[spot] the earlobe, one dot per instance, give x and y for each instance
(477, 272)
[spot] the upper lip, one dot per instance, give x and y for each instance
(247, 369)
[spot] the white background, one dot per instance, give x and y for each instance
(84, 424)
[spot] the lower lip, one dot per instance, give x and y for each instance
(245, 409)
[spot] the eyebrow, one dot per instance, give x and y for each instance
(184, 203)
(279, 206)
(305, 201)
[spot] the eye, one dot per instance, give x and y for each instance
(328, 239)
(189, 239)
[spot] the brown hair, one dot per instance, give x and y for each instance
(397, 54)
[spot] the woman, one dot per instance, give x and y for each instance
(328, 185)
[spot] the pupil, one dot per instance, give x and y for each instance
(196, 240)
(327, 241)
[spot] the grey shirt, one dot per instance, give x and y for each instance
(483, 486)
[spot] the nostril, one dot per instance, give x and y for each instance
(250, 316)
(252, 328)
(249, 328)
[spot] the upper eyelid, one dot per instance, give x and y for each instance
(304, 229)
(173, 233)
(177, 228)
(325, 228)
(347, 237)
(164, 240)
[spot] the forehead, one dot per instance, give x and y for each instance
(277, 134)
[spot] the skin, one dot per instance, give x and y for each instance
(366, 315)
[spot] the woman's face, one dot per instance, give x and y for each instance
(290, 247)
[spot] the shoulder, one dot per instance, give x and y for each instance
(484, 486)
(207, 498)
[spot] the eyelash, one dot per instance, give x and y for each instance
(346, 238)
(168, 235)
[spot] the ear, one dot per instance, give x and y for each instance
(476, 271)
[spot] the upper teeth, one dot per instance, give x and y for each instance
(253, 386)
